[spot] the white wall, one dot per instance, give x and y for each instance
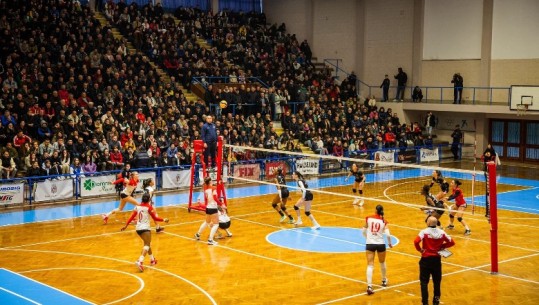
(452, 29)
(515, 30)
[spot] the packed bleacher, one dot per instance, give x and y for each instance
(74, 100)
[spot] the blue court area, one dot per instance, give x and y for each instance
(16, 289)
(325, 240)
(526, 200)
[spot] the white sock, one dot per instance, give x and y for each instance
(311, 217)
(141, 258)
(202, 227)
(112, 212)
(383, 269)
(299, 219)
(228, 232)
(213, 230)
(151, 257)
(370, 269)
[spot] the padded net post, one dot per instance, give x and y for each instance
(493, 200)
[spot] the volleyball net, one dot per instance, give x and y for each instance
(386, 182)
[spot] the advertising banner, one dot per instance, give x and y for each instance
(97, 185)
(271, 166)
(427, 155)
(307, 166)
(53, 190)
(176, 178)
(213, 175)
(247, 171)
(388, 157)
(11, 193)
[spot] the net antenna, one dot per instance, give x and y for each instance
(525, 102)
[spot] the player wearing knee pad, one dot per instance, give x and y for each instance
(458, 208)
(359, 182)
(305, 200)
(280, 199)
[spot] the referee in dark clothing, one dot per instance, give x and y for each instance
(434, 240)
(209, 137)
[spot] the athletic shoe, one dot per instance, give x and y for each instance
(436, 301)
(450, 227)
(369, 290)
(298, 223)
(140, 266)
(355, 201)
(467, 232)
(229, 234)
(159, 229)
(212, 242)
(197, 236)
(283, 219)
(105, 219)
(361, 203)
(384, 283)
(317, 227)
(394, 99)
(153, 262)
(291, 221)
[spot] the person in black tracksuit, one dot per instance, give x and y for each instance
(209, 137)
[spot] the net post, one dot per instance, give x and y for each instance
(493, 218)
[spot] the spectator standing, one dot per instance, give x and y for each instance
(458, 83)
(209, 137)
(402, 79)
(457, 137)
(385, 89)
(433, 240)
(430, 122)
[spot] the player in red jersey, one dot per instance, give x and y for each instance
(434, 239)
(373, 231)
(126, 195)
(212, 213)
(143, 212)
(460, 205)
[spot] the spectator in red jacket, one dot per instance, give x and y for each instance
(390, 138)
(20, 139)
(116, 158)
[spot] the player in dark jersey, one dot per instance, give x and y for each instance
(359, 182)
(437, 178)
(280, 199)
(434, 206)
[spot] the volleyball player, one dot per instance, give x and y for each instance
(432, 202)
(359, 182)
(148, 186)
(212, 216)
(306, 200)
(143, 212)
(375, 227)
(130, 185)
(438, 178)
(460, 205)
(280, 199)
(224, 222)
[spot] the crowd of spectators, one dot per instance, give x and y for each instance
(75, 100)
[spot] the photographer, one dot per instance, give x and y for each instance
(458, 82)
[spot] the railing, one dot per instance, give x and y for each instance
(294, 107)
(432, 94)
(28, 190)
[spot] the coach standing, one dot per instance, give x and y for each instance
(209, 137)
(434, 240)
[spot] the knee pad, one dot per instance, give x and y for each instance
(283, 208)
(274, 205)
(361, 192)
(354, 191)
(459, 219)
(451, 216)
(307, 213)
(438, 223)
(146, 248)
(296, 208)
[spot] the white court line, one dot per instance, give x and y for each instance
(141, 282)
(20, 296)
(121, 261)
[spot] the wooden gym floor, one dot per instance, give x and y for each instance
(95, 262)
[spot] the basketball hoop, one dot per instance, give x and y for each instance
(521, 109)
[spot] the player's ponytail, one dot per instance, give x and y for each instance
(300, 176)
(380, 210)
(457, 182)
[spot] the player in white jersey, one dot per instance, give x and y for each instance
(130, 185)
(306, 200)
(375, 228)
(212, 216)
(143, 213)
(148, 186)
(224, 222)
